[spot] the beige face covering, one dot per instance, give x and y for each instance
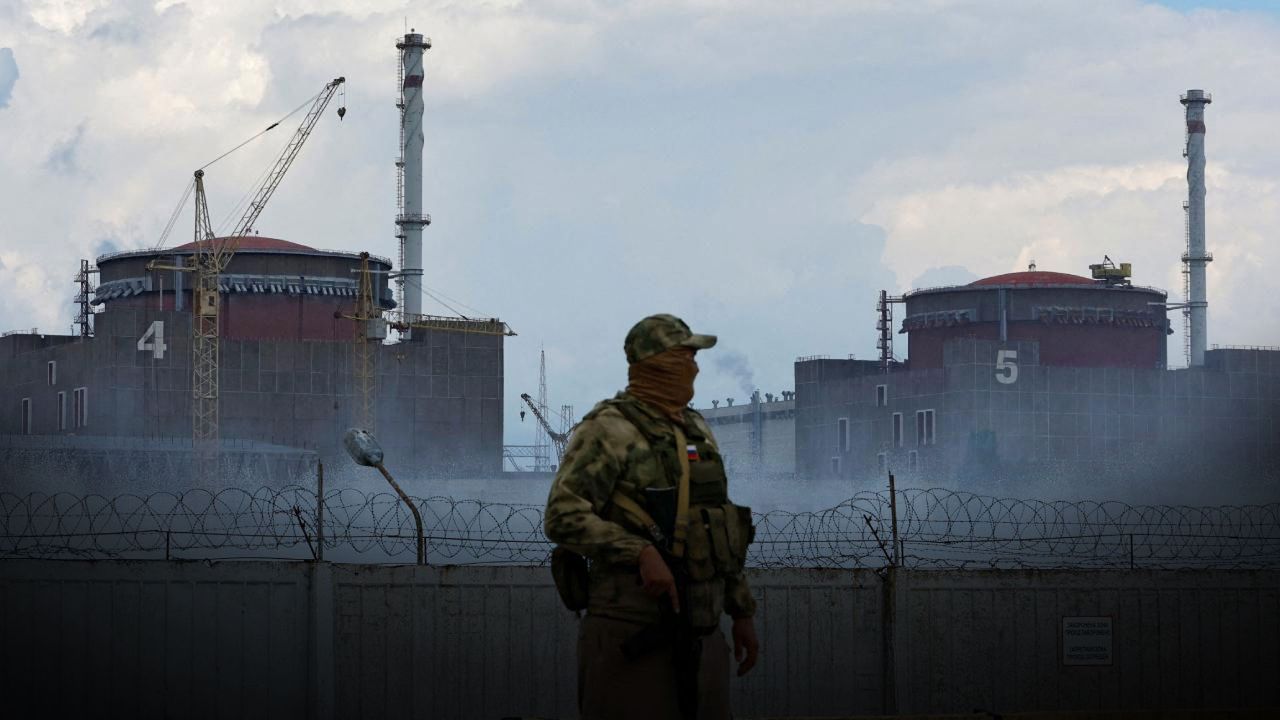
(664, 380)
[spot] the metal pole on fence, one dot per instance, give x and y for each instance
(1130, 551)
(889, 599)
(319, 511)
(417, 516)
(893, 514)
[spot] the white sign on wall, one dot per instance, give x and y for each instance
(1007, 366)
(1086, 641)
(153, 340)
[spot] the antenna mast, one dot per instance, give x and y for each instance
(542, 440)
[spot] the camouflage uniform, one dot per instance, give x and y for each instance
(624, 446)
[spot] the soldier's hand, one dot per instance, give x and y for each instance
(746, 648)
(656, 576)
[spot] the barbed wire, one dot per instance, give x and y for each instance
(935, 529)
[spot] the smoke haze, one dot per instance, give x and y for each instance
(735, 365)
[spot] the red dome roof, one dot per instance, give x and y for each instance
(257, 242)
(1033, 277)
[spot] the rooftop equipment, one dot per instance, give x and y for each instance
(1111, 273)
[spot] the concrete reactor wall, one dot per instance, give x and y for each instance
(995, 418)
(271, 290)
(1084, 324)
(438, 406)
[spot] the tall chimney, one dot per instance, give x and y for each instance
(409, 218)
(1195, 257)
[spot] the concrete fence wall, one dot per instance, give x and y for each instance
(283, 640)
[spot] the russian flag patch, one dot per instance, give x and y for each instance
(692, 450)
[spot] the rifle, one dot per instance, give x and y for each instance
(667, 508)
(673, 630)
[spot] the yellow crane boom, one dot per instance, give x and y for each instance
(212, 255)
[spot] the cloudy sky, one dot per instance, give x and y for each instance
(761, 168)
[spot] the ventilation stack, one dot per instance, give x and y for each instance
(410, 220)
(1195, 258)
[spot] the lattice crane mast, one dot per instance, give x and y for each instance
(561, 439)
(369, 319)
(363, 357)
(211, 257)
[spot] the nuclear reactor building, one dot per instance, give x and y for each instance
(1038, 377)
(297, 355)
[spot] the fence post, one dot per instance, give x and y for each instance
(893, 514)
(889, 600)
(320, 681)
(319, 511)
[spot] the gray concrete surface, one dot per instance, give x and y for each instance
(280, 640)
(1137, 435)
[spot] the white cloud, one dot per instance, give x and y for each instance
(1059, 217)
(762, 168)
(62, 16)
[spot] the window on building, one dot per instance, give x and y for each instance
(52, 368)
(80, 407)
(835, 466)
(842, 427)
(925, 427)
(897, 430)
(26, 416)
(62, 411)
(882, 462)
(913, 461)
(882, 396)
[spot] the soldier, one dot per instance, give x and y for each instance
(642, 495)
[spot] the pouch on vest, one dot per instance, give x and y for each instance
(741, 533)
(569, 571)
(717, 528)
(718, 541)
(698, 560)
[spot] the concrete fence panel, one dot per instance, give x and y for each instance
(994, 640)
(155, 639)
(283, 640)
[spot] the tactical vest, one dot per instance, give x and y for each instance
(715, 540)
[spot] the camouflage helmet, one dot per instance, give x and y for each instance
(659, 333)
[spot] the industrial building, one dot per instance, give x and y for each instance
(260, 352)
(756, 438)
(991, 414)
(1051, 379)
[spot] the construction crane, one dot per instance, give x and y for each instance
(367, 326)
(212, 255)
(402, 321)
(371, 323)
(561, 439)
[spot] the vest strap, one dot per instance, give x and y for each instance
(682, 495)
(637, 512)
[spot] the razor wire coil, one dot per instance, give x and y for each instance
(936, 529)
